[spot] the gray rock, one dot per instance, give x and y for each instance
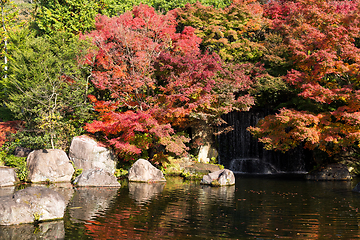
(86, 153)
(7, 176)
(31, 204)
(96, 178)
(5, 191)
(49, 165)
(22, 152)
(201, 168)
(144, 192)
(334, 171)
(66, 189)
(143, 171)
(219, 178)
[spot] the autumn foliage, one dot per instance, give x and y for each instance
(322, 38)
(153, 80)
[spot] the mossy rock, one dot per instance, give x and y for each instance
(197, 170)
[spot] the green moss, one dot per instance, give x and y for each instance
(192, 176)
(215, 183)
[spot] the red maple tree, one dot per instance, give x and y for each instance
(154, 78)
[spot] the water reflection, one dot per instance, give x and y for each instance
(45, 230)
(256, 207)
(223, 195)
(144, 192)
(88, 202)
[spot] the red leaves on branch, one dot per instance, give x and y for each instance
(157, 78)
(322, 38)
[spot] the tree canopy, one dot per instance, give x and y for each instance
(322, 38)
(157, 78)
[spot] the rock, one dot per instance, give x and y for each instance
(49, 165)
(66, 189)
(197, 170)
(143, 171)
(88, 154)
(144, 192)
(334, 171)
(5, 191)
(89, 202)
(7, 177)
(95, 178)
(202, 168)
(22, 152)
(45, 230)
(31, 204)
(219, 178)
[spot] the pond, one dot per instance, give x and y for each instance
(257, 207)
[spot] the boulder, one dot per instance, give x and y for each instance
(219, 178)
(49, 165)
(334, 171)
(30, 205)
(202, 168)
(86, 153)
(65, 189)
(96, 178)
(7, 177)
(5, 191)
(143, 171)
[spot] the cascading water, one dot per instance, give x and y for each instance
(241, 153)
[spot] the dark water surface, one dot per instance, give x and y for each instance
(257, 207)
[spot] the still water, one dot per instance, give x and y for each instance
(257, 207)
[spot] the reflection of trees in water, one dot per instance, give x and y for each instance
(165, 211)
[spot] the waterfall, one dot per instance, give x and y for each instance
(241, 153)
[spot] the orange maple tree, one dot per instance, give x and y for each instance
(324, 44)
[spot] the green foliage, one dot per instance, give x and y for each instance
(239, 33)
(48, 87)
(19, 163)
(72, 16)
(192, 176)
(121, 173)
(8, 21)
(37, 216)
(233, 32)
(165, 6)
(5, 113)
(77, 172)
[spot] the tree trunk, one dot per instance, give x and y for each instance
(203, 134)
